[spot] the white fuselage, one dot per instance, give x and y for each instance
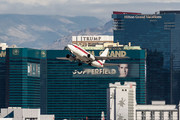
(82, 54)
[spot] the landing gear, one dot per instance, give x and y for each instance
(90, 64)
(67, 56)
(79, 64)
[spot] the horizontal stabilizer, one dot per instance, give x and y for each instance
(110, 64)
(62, 58)
(108, 58)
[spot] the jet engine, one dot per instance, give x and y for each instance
(90, 64)
(70, 57)
(91, 57)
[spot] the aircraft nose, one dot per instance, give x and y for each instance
(69, 47)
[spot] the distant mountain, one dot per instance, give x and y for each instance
(62, 42)
(35, 31)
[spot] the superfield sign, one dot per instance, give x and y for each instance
(122, 68)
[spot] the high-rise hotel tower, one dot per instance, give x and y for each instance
(159, 33)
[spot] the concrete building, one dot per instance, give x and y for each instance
(6, 118)
(100, 43)
(114, 46)
(3, 46)
(157, 111)
(18, 113)
(92, 39)
(121, 101)
(121, 105)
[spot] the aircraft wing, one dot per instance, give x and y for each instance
(85, 58)
(62, 58)
(108, 58)
(110, 64)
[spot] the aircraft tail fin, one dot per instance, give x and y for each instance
(104, 54)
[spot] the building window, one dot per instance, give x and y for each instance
(30, 118)
(152, 115)
(170, 115)
(161, 115)
(143, 114)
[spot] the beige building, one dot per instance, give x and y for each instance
(158, 110)
(121, 105)
(3, 46)
(92, 40)
(100, 43)
(121, 101)
(18, 113)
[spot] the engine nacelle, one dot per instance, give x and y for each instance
(70, 57)
(67, 56)
(90, 64)
(91, 57)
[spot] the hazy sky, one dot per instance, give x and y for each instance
(97, 8)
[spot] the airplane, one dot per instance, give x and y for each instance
(82, 55)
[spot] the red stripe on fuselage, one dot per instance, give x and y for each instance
(86, 53)
(80, 49)
(100, 62)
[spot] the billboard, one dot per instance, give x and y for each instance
(121, 70)
(33, 70)
(124, 68)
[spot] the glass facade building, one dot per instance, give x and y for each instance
(158, 33)
(23, 77)
(75, 92)
(2, 78)
(36, 79)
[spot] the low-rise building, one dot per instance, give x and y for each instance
(87, 40)
(3, 46)
(18, 113)
(121, 105)
(158, 110)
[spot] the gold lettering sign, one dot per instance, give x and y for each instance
(115, 53)
(112, 53)
(3, 54)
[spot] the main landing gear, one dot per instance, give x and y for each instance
(90, 64)
(79, 64)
